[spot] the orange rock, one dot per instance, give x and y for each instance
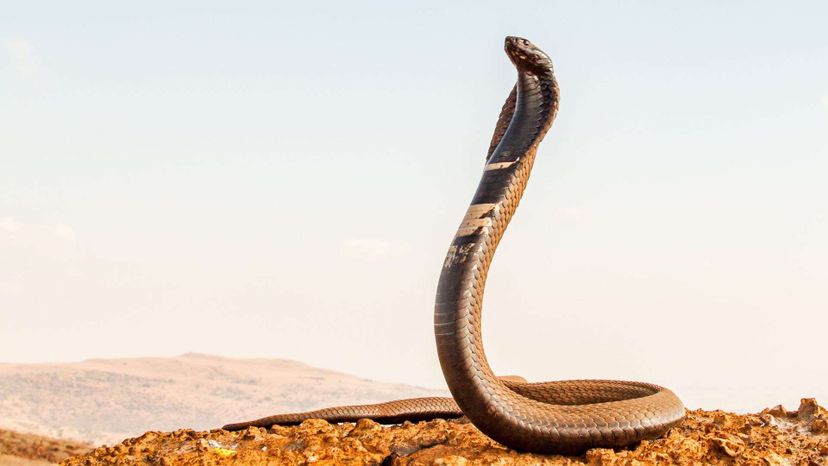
(773, 437)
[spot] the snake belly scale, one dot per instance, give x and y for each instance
(544, 417)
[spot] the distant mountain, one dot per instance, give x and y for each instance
(107, 400)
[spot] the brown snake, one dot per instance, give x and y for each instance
(562, 417)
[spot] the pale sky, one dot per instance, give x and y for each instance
(282, 179)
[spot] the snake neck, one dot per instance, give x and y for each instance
(458, 309)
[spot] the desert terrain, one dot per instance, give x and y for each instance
(19, 449)
(773, 437)
(103, 401)
(167, 411)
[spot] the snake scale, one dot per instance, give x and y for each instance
(546, 417)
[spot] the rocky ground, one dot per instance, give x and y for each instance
(28, 449)
(773, 437)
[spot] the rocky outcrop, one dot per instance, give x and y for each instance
(770, 438)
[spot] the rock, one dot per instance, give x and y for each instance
(731, 445)
(774, 437)
(808, 409)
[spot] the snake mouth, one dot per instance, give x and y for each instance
(526, 56)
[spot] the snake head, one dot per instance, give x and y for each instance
(526, 56)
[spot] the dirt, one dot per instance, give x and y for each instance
(769, 438)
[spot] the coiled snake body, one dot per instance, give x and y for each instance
(561, 417)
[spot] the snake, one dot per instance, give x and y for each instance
(564, 417)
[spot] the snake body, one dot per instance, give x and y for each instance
(546, 417)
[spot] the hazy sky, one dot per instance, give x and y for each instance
(282, 179)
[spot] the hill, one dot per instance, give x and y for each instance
(107, 400)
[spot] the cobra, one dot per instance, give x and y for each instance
(545, 417)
